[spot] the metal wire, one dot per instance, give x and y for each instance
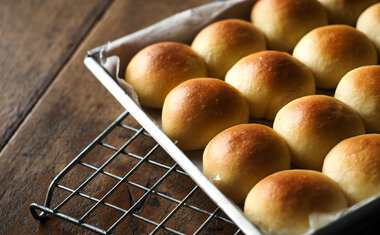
(175, 209)
(134, 208)
(206, 222)
(156, 193)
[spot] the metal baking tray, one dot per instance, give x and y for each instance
(346, 224)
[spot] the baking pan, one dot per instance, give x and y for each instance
(98, 60)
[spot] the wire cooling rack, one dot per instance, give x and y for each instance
(124, 182)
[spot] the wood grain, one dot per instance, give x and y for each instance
(37, 37)
(74, 110)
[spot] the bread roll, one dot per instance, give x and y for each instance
(345, 11)
(284, 22)
(369, 24)
(223, 43)
(269, 80)
(284, 200)
(240, 156)
(158, 68)
(355, 165)
(313, 125)
(198, 109)
(360, 89)
(331, 51)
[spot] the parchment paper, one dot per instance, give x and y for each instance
(183, 27)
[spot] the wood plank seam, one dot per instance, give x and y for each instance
(15, 126)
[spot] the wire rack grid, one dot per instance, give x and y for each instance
(123, 186)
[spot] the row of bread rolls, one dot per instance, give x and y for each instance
(242, 162)
(316, 128)
(284, 201)
(313, 125)
(268, 80)
(269, 84)
(329, 52)
(285, 22)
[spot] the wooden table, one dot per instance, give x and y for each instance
(51, 106)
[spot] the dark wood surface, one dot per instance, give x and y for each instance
(52, 107)
(37, 39)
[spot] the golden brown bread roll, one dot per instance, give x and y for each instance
(240, 156)
(360, 89)
(284, 22)
(269, 80)
(313, 125)
(355, 165)
(158, 68)
(198, 109)
(223, 43)
(284, 200)
(369, 24)
(331, 51)
(345, 11)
